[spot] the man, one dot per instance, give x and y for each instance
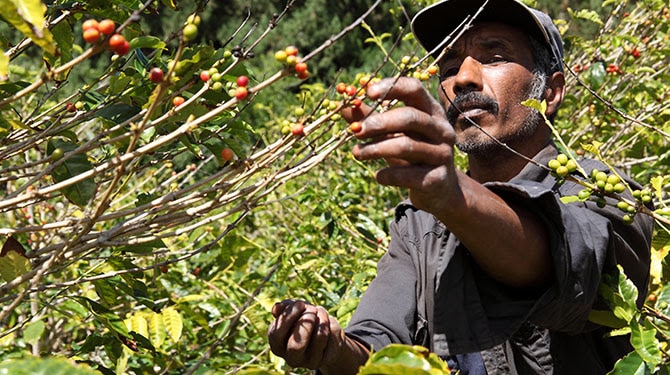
(488, 269)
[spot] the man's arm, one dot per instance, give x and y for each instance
(507, 241)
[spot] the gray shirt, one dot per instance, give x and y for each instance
(429, 291)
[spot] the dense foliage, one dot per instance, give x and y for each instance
(143, 237)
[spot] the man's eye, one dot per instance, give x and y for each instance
(496, 59)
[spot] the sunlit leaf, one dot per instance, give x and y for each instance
(645, 343)
(156, 329)
(13, 260)
(631, 364)
(33, 331)
(28, 17)
(173, 323)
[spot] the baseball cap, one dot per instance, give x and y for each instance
(434, 23)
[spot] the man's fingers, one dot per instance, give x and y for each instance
(281, 329)
(300, 338)
(356, 114)
(403, 148)
(407, 90)
(319, 339)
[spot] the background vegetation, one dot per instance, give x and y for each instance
(166, 258)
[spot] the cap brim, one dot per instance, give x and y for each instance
(434, 23)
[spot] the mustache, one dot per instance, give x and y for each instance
(470, 99)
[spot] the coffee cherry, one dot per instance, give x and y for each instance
(300, 67)
(204, 76)
(635, 53)
(123, 49)
(298, 130)
(242, 81)
(115, 41)
(432, 70)
(241, 93)
(57, 154)
(281, 56)
(291, 51)
(628, 219)
(227, 154)
(351, 90)
(584, 194)
(562, 171)
(90, 24)
(554, 164)
(355, 126)
(356, 102)
(303, 75)
(299, 111)
(91, 35)
(562, 158)
(177, 101)
(70, 107)
(156, 75)
(571, 165)
(107, 27)
(164, 268)
(194, 19)
(601, 176)
(623, 206)
(619, 188)
(190, 31)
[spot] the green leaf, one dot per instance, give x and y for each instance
(596, 74)
(631, 364)
(607, 319)
(570, 199)
(147, 42)
(27, 16)
(173, 323)
(536, 105)
(48, 366)
(83, 191)
(156, 329)
(13, 260)
(4, 66)
(398, 359)
(645, 343)
(586, 14)
(33, 331)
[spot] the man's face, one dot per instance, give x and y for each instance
(485, 77)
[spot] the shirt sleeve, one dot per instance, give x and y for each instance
(387, 310)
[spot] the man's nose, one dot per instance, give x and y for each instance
(469, 76)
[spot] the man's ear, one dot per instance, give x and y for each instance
(555, 92)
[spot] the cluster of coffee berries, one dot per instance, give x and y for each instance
(422, 73)
(562, 165)
(190, 30)
(94, 31)
(607, 183)
(289, 57)
(241, 91)
(214, 77)
(613, 68)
